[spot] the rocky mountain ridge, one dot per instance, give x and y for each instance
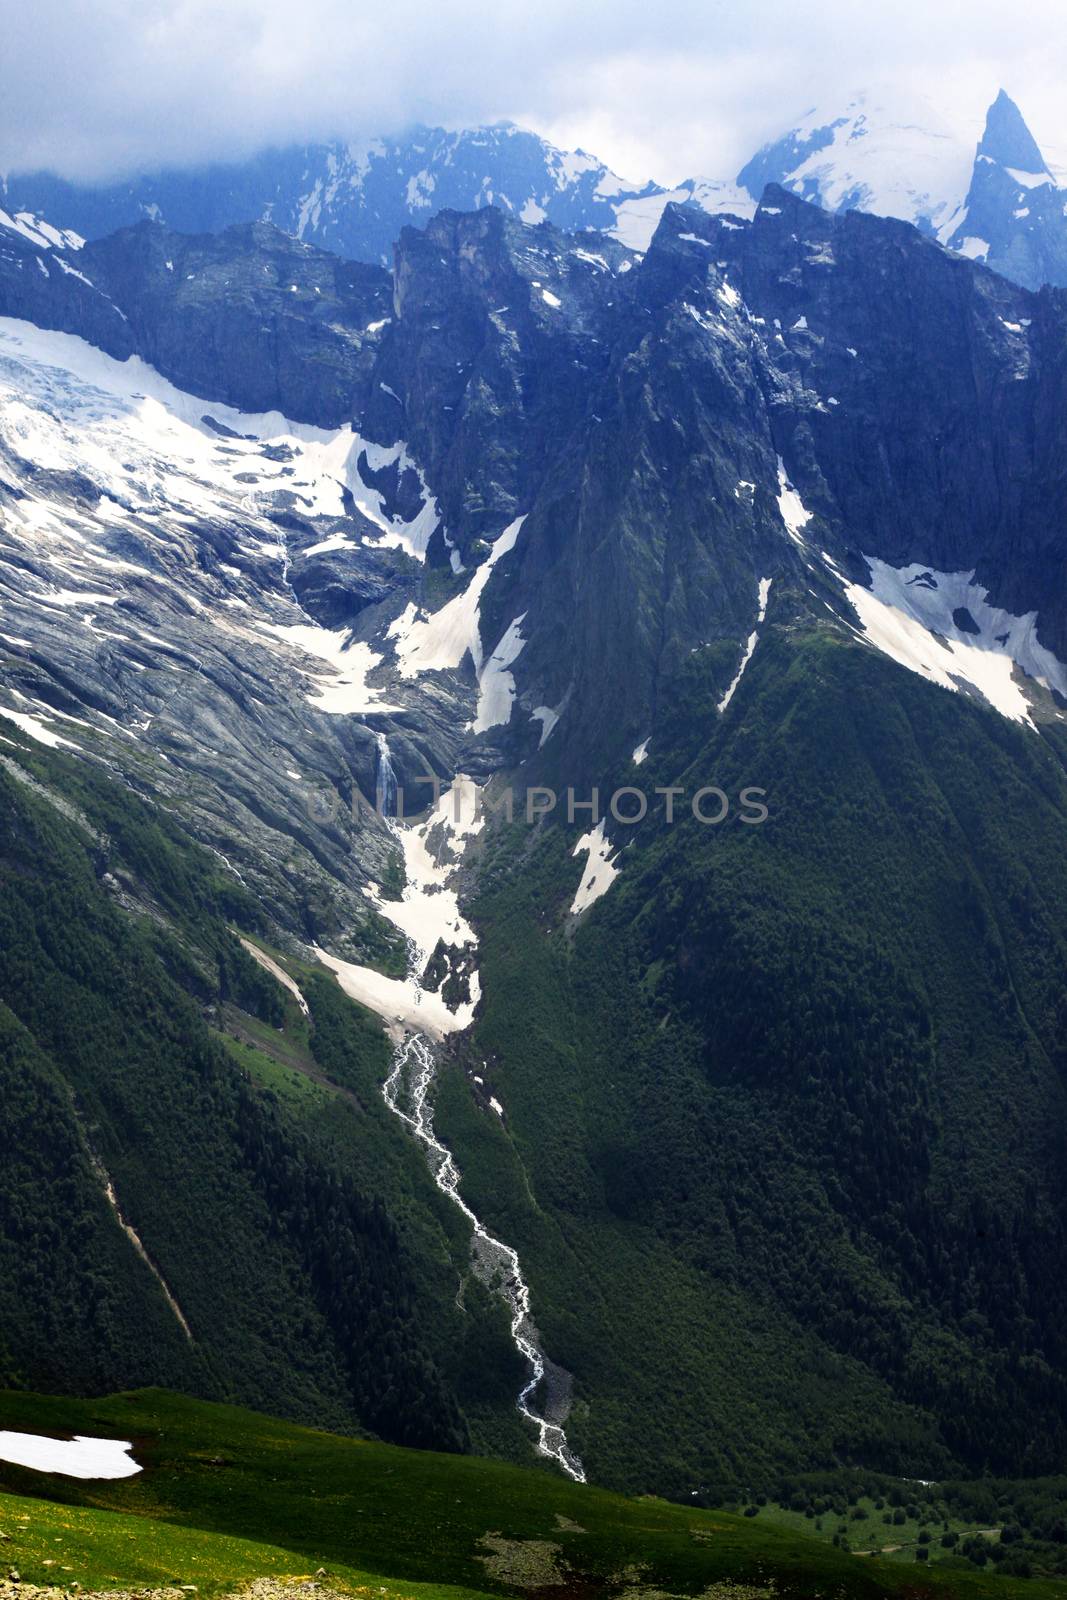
(873, 154)
(378, 440)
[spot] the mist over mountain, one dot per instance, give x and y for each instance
(1000, 204)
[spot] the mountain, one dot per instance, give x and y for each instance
(183, 1199)
(1015, 215)
(875, 154)
(758, 1126)
(351, 199)
(1001, 205)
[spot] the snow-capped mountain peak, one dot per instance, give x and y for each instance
(1014, 217)
(1008, 141)
(873, 155)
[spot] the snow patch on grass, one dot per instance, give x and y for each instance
(77, 1457)
(600, 870)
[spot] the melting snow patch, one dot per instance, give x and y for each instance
(600, 871)
(427, 914)
(439, 642)
(941, 626)
(496, 685)
(336, 541)
(551, 299)
(78, 1457)
(401, 1002)
(1029, 180)
(753, 640)
(344, 692)
(547, 718)
(34, 728)
(793, 511)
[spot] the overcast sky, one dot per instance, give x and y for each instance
(660, 88)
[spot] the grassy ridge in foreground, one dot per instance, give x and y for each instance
(50, 1544)
(353, 1506)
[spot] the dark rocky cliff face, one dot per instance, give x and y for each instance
(500, 331)
(48, 288)
(912, 397)
(921, 444)
(250, 316)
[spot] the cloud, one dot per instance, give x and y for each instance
(102, 88)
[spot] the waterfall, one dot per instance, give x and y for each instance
(496, 1263)
(386, 781)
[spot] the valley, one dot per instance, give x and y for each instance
(415, 1183)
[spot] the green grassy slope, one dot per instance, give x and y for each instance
(314, 1262)
(60, 1545)
(417, 1517)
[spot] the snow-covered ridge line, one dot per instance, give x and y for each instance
(40, 233)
